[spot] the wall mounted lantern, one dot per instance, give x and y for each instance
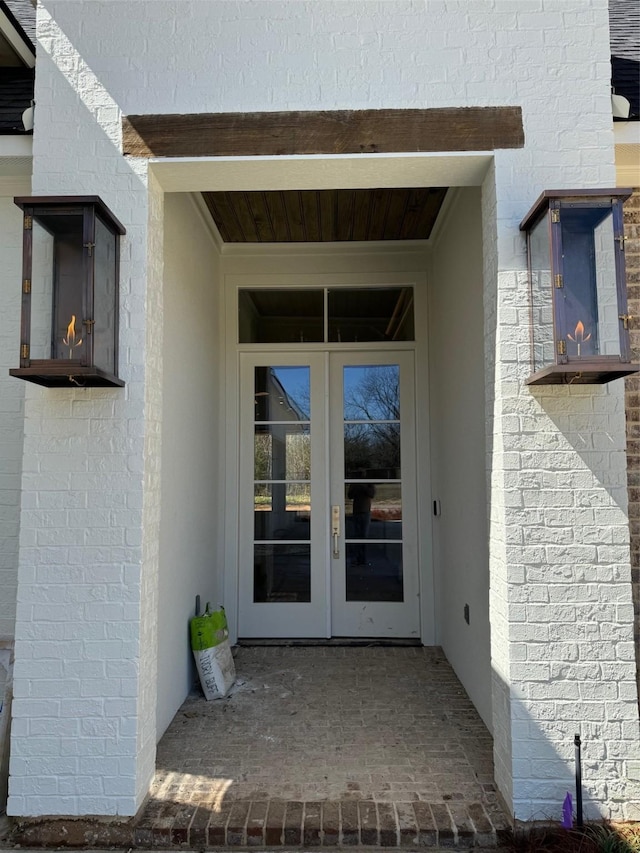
(578, 294)
(70, 282)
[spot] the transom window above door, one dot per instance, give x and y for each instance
(325, 315)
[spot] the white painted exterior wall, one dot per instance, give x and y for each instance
(560, 607)
(192, 430)
(458, 446)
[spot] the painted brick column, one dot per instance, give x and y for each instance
(11, 441)
(83, 739)
(632, 397)
(499, 576)
(561, 608)
(11, 400)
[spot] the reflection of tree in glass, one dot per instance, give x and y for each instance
(282, 453)
(262, 456)
(298, 463)
(375, 396)
(303, 402)
(372, 450)
(373, 445)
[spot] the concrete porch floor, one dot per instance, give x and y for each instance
(327, 746)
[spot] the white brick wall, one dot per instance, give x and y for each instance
(83, 737)
(11, 397)
(150, 464)
(85, 670)
(561, 613)
(258, 55)
(500, 662)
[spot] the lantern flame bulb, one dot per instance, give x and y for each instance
(580, 337)
(70, 340)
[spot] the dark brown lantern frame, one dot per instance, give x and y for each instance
(57, 372)
(578, 369)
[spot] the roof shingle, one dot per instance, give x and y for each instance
(23, 14)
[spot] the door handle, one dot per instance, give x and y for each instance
(335, 530)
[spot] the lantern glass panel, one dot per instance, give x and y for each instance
(541, 295)
(42, 251)
(67, 334)
(590, 316)
(105, 297)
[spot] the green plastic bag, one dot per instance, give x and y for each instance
(208, 630)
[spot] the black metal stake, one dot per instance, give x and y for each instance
(579, 819)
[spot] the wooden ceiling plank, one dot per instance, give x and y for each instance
(327, 213)
(323, 132)
(379, 205)
(261, 216)
(361, 215)
(395, 214)
(311, 215)
(223, 212)
(409, 229)
(430, 210)
(278, 215)
(295, 221)
(245, 217)
(344, 218)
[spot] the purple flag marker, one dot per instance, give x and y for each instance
(567, 812)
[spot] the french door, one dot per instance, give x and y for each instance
(327, 534)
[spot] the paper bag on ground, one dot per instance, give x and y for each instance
(212, 652)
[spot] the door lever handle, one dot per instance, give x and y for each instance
(335, 530)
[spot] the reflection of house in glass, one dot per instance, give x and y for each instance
(282, 485)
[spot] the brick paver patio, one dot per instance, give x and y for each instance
(327, 746)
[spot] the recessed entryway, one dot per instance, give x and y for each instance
(447, 368)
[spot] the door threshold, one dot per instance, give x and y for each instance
(331, 641)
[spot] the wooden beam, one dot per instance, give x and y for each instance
(326, 132)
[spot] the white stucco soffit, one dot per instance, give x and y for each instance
(319, 171)
(15, 148)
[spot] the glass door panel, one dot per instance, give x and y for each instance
(385, 516)
(371, 403)
(375, 573)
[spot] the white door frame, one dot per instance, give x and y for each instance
(328, 613)
(230, 453)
